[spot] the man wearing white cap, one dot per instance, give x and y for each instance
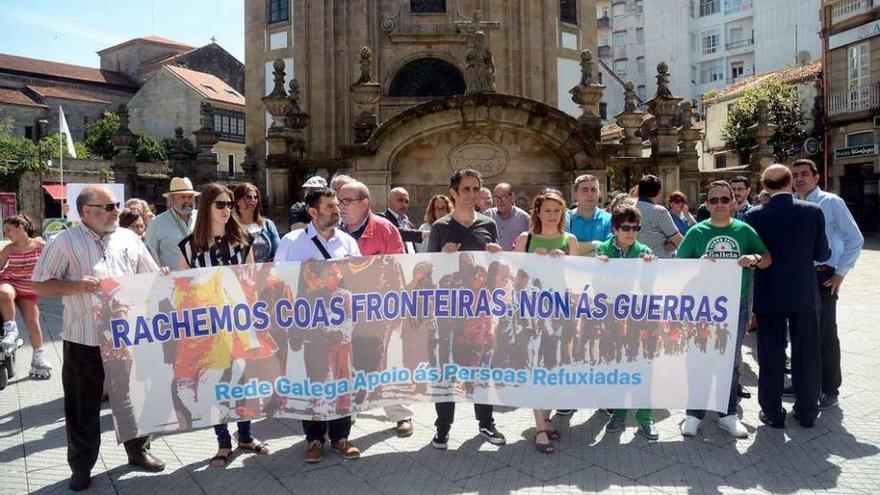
(299, 213)
(169, 228)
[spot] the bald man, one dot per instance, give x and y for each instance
(786, 295)
(398, 205)
(510, 219)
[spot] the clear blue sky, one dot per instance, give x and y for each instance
(72, 31)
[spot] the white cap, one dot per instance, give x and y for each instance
(316, 181)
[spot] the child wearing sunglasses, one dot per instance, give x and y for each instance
(626, 220)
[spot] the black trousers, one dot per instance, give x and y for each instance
(446, 415)
(830, 343)
(82, 376)
(805, 369)
(337, 429)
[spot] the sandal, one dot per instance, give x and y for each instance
(222, 459)
(552, 433)
(544, 448)
(261, 448)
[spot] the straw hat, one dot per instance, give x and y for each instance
(181, 185)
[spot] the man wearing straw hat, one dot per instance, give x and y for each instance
(169, 228)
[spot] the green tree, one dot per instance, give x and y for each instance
(19, 155)
(99, 136)
(147, 149)
(785, 111)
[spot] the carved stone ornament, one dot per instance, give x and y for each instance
(479, 153)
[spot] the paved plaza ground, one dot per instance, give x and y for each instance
(839, 455)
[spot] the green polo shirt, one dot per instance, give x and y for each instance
(731, 242)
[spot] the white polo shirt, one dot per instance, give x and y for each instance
(299, 246)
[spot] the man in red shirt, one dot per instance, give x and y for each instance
(375, 235)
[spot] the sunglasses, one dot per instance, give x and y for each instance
(725, 200)
(630, 228)
(108, 207)
(222, 205)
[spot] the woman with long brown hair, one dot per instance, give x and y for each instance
(547, 236)
(248, 203)
(439, 206)
(218, 239)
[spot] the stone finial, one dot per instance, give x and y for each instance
(629, 97)
(686, 115)
(278, 75)
(297, 119)
(122, 113)
(366, 62)
(294, 92)
(207, 113)
(663, 90)
(178, 133)
(762, 112)
(124, 138)
(587, 65)
(479, 75)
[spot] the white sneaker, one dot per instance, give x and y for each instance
(10, 336)
(690, 426)
(40, 360)
(732, 424)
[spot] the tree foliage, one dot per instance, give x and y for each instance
(100, 141)
(785, 111)
(19, 155)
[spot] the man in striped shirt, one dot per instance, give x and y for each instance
(658, 230)
(71, 266)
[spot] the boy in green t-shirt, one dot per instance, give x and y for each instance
(626, 222)
(724, 237)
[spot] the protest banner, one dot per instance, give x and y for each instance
(322, 339)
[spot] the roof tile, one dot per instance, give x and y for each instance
(56, 70)
(209, 86)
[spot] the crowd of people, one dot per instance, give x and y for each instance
(795, 247)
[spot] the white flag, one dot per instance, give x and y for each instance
(65, 132)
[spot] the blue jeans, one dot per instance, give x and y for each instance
(225, 440)
(742, 327)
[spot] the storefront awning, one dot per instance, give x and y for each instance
(57, 191)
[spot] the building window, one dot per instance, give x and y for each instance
(29, 132)
(640, 36)
(709, 7)
(618, 10)
(860, 138)
(618, 38)
(642, 92)
(721, 160)
(279, 11)
(640, 7)
(640, 62)
(603, 110)
(230, 164)
(229, 125)
(568, 11)
(737, 69)
(711, 72)
(620, 67)
(709, 42)
(427, 77)
(859, 66)
(427, 6)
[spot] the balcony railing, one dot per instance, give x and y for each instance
(710, 7)
(733, 6)
(845, 9)
(731, 80)
(603, 22)
(855, 100)
(733, 45)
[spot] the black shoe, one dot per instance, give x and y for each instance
(743, 393)
(491, 434)
(80, 481)
(147, 462)
(772, 424)
(441, 440)
(788, 391)
(565, 412)
(805, 423)
(827, 402)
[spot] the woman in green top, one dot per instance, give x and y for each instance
(626, 222)
(546, 236)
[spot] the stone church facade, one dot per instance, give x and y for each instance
(419, 52)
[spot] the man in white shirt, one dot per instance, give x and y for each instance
(322, 240)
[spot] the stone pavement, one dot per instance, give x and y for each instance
(838, 455)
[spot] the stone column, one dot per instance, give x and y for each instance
(206, 138)
(251, 168)
(587, 94)
(297, 120)
(664, 146)
(366, 94)
(763, 130)
(688, 137)
(180, 158)
(631, 121)
(124, 163)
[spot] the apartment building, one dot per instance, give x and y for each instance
(620, 31)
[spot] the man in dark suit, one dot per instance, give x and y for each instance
(786, 295)
(398, 204)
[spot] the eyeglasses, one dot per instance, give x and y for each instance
(108, 207)
(222, 205)
(252, 197)
(349, 201)
(725, 200)
(441, 208)
(630, 228)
